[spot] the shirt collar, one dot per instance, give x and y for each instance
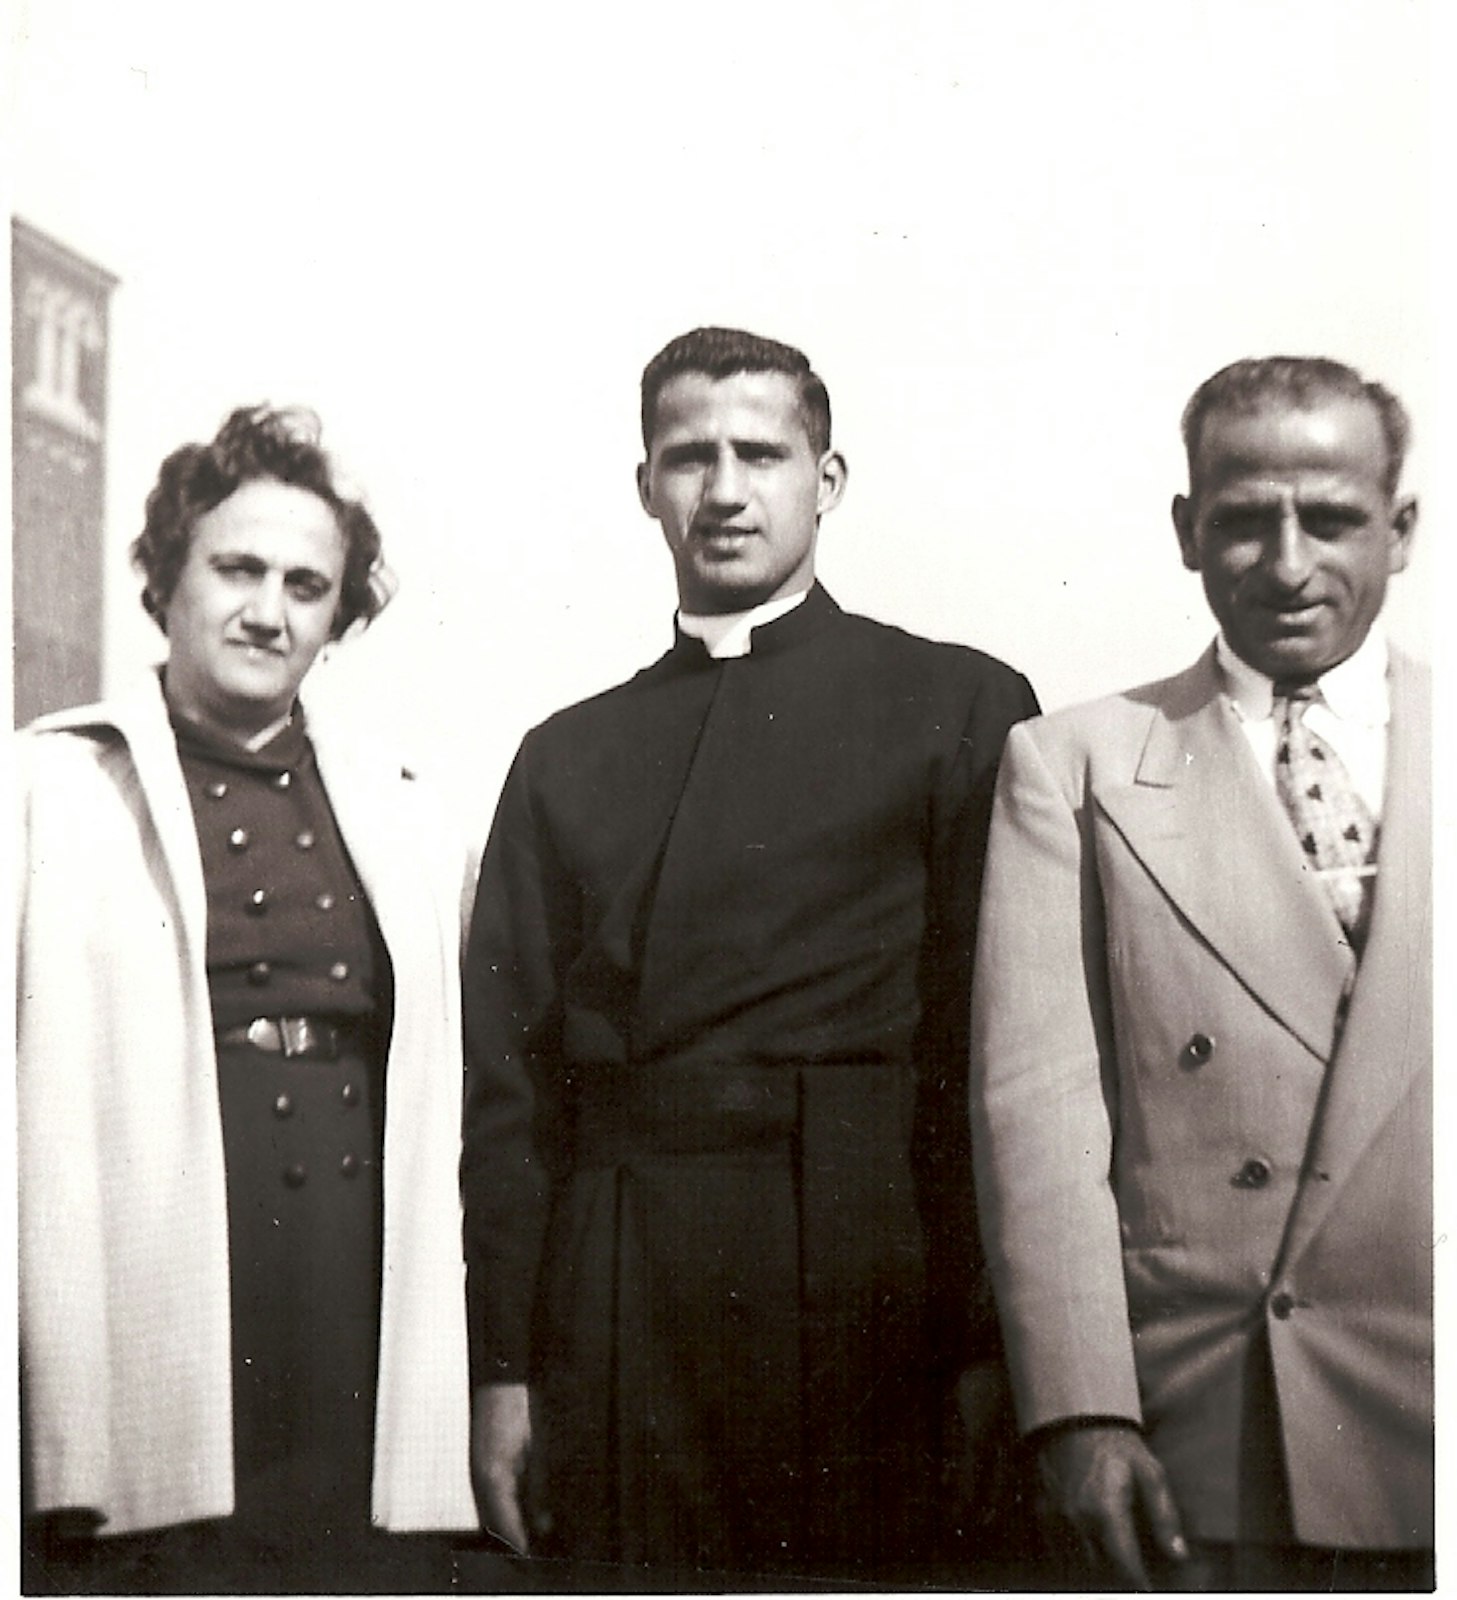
(1355, 690)
(729, 634)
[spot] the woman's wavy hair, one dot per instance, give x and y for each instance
(256, 442)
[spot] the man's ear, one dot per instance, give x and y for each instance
(644, 490)
(1403, 530)
(834, 473)
(1182, 511)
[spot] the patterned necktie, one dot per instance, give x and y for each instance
(1334, 825)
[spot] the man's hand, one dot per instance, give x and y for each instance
(500, 1447)
(1108, 1484)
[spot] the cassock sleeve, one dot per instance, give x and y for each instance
(964, 1324)
(512, 1012)
(1043, 1072)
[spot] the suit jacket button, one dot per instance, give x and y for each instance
(1282, 1304)
(1198, 1050)
(1254, 1174)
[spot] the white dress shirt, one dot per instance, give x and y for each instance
(1351, 716)
(728, 635)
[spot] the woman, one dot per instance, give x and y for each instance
(239, 1078)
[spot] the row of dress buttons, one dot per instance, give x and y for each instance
(258, 901)
(296, 1175)
(283, 1103)
(261, 973)
(218, 789)
(239, 840)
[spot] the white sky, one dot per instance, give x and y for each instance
(1012, 238)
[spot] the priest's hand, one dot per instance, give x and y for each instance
(500, 1453)
(1105, 1481)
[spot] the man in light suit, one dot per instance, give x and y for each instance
(1201, 1059)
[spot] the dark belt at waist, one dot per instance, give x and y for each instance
(296, 1036)
(678, 1108)
(842, 1130)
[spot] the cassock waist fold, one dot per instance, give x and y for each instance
(839, 1132)
(740, 1110)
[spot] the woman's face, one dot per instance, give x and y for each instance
(254, 605)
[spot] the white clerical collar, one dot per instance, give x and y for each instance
(1355, 689)
(728, 634)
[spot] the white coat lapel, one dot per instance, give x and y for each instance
(360, 789)
(1203, 822)
(140, 716)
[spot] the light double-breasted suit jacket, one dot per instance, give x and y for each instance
(1180, 1153)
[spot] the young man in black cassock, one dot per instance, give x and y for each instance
(722, 1256)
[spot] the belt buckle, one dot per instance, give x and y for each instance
(299, 1037)
(263, 1034)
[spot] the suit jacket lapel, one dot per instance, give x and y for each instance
(1213, 834)
(1388, 1034)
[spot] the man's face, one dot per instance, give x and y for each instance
(1292, 527)
(737, 488)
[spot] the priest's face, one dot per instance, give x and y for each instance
(737, 488)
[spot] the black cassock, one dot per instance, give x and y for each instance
(718, 1202)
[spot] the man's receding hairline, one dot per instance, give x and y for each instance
(1280, 382)
(1259, 404)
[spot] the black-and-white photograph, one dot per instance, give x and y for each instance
(723, 796)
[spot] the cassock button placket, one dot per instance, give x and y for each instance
(258, 902)
(259, 974)
(305, 839)
(324, 901)
(296, 1175)
(339, 972)
(349, 1094)
(238, 839)
(283, 780)
(217, 790)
